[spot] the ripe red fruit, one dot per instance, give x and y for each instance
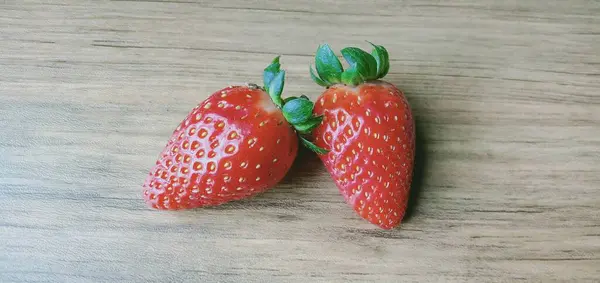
(368, 128)
(239, 142)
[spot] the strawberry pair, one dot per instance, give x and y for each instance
(242, 140)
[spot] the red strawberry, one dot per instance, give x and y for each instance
(368, 128)
(237, 143)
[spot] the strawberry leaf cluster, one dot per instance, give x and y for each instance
(298, 111)
(362, 66)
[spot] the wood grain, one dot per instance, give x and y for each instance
(506, 94)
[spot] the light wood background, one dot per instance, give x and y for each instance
(506, 93)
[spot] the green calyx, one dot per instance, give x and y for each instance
(274, 78)
(362, 65)
(298, 111)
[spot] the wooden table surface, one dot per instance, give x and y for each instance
(506, 96)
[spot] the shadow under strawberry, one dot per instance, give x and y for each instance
(420, 165)
(306, 164)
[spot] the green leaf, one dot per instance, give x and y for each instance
(276, 88)
(352, 77)
(288, 99)
(270, 72)
(362, 61)
(313, 147)
(383, 61)
(328, 65)
(298, 110)
(316, 78)
(306, 127)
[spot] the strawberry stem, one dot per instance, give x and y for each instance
(298, 111)
(362, 65)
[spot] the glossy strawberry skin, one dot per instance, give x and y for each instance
(369, 130)
(233, 145)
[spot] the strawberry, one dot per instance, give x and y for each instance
(368, 129)
(237, 143)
